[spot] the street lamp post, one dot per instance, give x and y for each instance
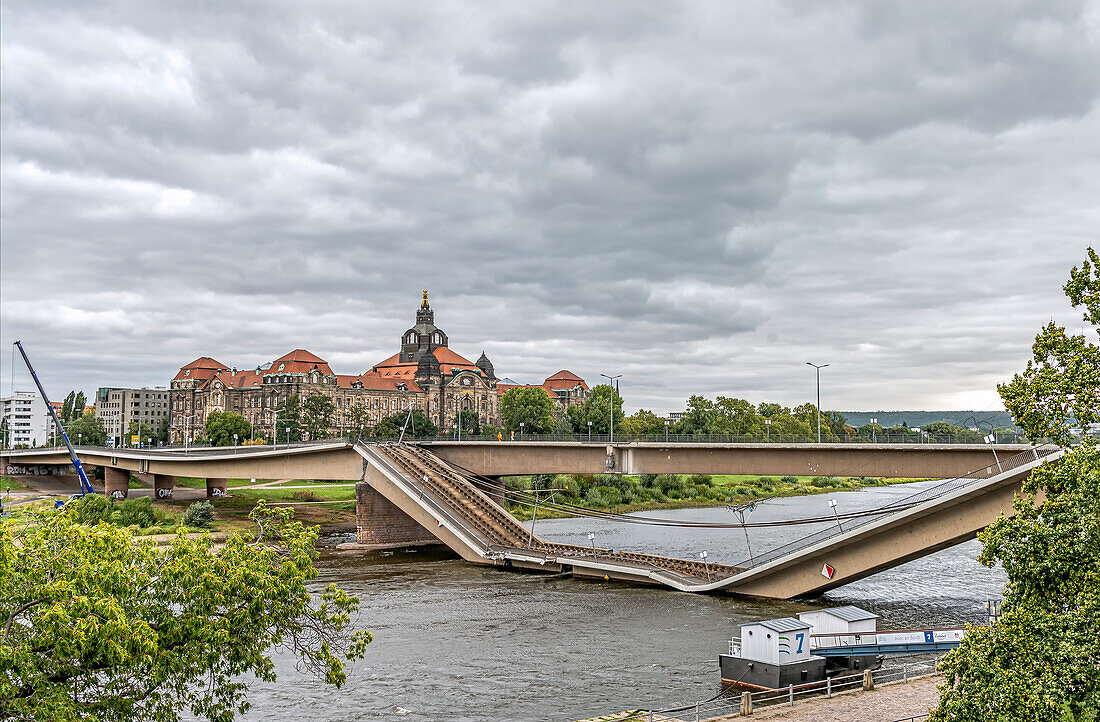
(288, 437)
(666, 431)
(611, 384)
(590, 431)
(818, 397)
(767, 429)
(874, 430)
(234, 443)
(521, 430)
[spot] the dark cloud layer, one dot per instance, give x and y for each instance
(700, 196)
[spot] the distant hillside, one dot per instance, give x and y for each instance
(999, 419)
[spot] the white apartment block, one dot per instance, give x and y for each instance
(26, 420)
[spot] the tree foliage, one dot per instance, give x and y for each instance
(317, 413)
(1041, 660)
(87, 430)
(643, 422)
(100, 627)
(419, 425)
(597, 408)
(221, 425)
(531, 406)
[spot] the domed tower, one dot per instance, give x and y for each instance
(486, 366)
(424, 337)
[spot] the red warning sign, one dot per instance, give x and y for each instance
(827, 571)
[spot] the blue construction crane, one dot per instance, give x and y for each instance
(85, 485)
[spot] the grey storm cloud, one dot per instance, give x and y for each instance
(700, 196)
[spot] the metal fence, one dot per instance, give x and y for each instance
(934, 492)
(732, 702)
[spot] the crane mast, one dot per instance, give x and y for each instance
(85, 485)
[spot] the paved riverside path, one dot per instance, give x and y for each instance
(888, 702)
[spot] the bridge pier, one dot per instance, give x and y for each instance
(216, 487)
(163, 484)
(116, 482)
(381, 523)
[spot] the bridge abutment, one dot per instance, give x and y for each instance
(216, 487)
(163, 484)
(116, 482)
(379, 522)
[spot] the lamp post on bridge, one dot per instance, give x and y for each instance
(590, 431)
(768, 430)
(611, 384)
(521, 431)
(874, 430)
(818, 397)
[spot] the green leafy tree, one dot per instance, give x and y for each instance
(419, 425)
(78, 405)
(643, 422)
(221, 425)
(317, 413)
(87, 430)
(699, 416)
(99, 627)
(596, 409)
(357, 419)
(469, 423)
(288, 419)
(1041, 659)
(67, 407)
(531, 406)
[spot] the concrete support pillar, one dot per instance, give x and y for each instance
(217, 487)
(379, 522)
(163, 484)
(116, 482)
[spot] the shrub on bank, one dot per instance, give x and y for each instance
(199, 515)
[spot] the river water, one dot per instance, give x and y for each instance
(459, 642)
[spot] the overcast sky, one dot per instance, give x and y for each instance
(699, 196)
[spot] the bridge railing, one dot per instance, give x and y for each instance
(905, 439)
(842, 527)
(621, 438)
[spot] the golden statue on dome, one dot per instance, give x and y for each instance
(424, 303)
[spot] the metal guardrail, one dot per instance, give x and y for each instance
(730, 701)
(905, 439)
(974, 477)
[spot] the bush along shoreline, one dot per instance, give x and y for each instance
(622, 493)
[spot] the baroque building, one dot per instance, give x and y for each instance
(424, 374)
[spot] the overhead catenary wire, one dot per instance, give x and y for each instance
(526, 499)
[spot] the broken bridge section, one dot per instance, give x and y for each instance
(459, 511)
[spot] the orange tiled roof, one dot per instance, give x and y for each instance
(201, 369)
(376, 381)
(447, 358)
(299, 361)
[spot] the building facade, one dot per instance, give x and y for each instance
(424, 374)
(26, 420)
(119, 408)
